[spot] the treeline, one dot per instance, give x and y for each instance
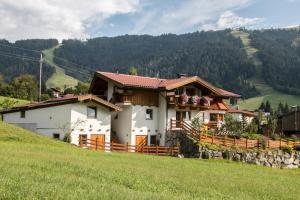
(26, 87)
(15, 61)
(215, 56)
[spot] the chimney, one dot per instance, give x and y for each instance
(181, 75)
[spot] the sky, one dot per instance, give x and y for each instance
(83, 19)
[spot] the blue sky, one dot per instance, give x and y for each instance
(81, 19)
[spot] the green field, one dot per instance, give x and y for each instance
(267, 92)
(16, 102)
(34, 167)
(59, 78)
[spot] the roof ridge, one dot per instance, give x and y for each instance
(133, 75)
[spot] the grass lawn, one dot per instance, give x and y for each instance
(59, 78)
(34, 167)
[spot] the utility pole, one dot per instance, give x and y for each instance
(40, 83)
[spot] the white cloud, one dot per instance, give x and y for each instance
(228, 19)
(60, 19)
(186, 15)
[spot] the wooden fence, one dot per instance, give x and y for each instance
(246, 143)
(150, 150)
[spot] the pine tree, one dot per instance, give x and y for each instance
(280, 109)
(262, 107)
(268, 107)
(286, 108)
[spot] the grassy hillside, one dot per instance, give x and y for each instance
(267, 92)
(59, 78)
(16, 102)
(34, 167)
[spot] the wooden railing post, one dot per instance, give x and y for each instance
(156, 150)
(280, 143)
(112, 146)
(234, 141)
(80, 141)
(96, 143)
(126, 146)
(212, 139)
(225, 138)
(246, 143)
(257, 144)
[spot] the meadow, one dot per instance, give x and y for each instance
(36, 167)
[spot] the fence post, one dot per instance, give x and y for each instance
(246, 143)
(258, 144)
(225, 138)
(212, 139)
(96, 143)
(280, 143)
(111, 146)
(234, 141)
(156, 150)
(126, 146)
(80, 141)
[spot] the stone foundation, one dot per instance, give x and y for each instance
(274, 158)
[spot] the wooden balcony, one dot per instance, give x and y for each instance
(137, 98)
(177, 100)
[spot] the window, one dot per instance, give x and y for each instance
(149, 114)
(23, 114)
(190, 91)
(213, 117)
(83, 139)
(153, 140)
(56, 136)
(91, 112)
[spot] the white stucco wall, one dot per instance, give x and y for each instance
(48, 120)
(110, 90)
(122, 124)
(81, 124)
(162, 117)
(141, 125)
(61, 119)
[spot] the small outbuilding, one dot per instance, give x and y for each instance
(85, 117)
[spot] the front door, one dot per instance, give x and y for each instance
(98, 139)
(140, 141)
(182, 116)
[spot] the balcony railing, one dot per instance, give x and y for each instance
(123, 98)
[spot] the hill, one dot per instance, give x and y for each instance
(35, 167)
(58, 78)
(4, 101)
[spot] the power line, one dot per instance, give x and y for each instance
(21, 48)
(19, 57)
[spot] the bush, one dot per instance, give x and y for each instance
(275, 137)
(287, 149)
(252, 136)
(294, 137)
(297, 147)
(263, 143)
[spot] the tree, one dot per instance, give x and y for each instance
(262, 106)
(133, 71)
(286, 109)
(268, 107)
(25, 87)
(280, 109)
(82, 88)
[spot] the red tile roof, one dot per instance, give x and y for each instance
(62, 100)
(158, 83)
(245, 112)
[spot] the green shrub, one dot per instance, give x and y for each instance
(252, 136)
(210, 146)
(275, 136)
(287, 149)
(263, 143)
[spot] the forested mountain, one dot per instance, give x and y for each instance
(16, 60)
(216, 56)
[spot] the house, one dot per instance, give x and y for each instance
(149, 104)
(289, 124)
(83, 117)
(243, 116)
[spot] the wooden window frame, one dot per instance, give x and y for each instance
(151, 114)
(93, 108)
(23, 114)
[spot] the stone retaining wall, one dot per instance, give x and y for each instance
(274, 158)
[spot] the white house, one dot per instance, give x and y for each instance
(85, 116)
(149, 104)
(242, 115)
